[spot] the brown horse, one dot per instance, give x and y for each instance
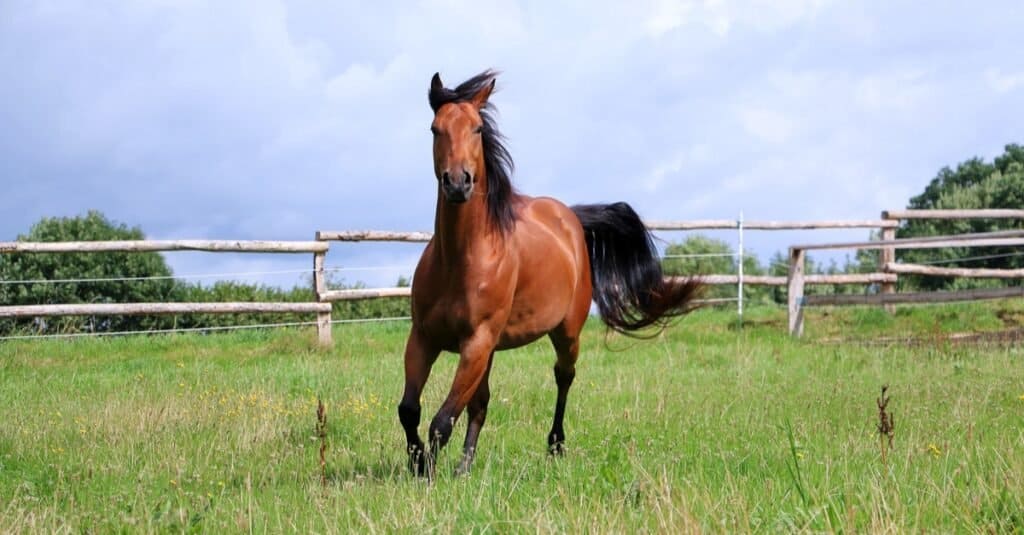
(504, 269)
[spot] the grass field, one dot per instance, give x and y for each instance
(708, 428)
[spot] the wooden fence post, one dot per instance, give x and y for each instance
(323, 319)
(886, 257)
(795, 291)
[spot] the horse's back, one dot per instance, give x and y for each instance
(544, 227)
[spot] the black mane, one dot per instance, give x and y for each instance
(497, 161)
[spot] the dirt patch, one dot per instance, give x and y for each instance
(769, 322)
(1011, 318)
(1007, 337)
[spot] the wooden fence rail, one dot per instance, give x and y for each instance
(977, 294)
(318, 248)
(974, 273)
(355, 294)
(726, 224)
(983, 239)
(987, 213)
(773, 280)
(372, 235)
(138, 246)
(145, 309)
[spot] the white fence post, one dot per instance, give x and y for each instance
(795, 291)
(739, 283)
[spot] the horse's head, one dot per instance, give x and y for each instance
(459, 129)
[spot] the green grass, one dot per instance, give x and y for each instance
(707, 428)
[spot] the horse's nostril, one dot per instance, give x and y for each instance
(467, 179)
(446, 177)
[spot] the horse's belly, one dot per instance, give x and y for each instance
(512, 340)
(532, 318)
(522, 333)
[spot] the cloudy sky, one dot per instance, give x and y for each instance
(265, 119)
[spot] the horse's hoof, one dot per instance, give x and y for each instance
(555, 441)
(418, 463)
(417, 469)
(464, 467)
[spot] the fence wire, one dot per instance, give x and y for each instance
(200, 329)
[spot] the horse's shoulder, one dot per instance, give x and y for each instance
(547, 225)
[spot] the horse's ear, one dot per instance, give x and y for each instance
(436, 91)
(480, 98)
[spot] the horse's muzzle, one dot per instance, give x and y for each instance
(455, 190)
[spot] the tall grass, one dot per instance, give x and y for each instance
(707, 428)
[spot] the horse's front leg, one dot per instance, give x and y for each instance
(477, 413)
(474, 360)
(419, 357)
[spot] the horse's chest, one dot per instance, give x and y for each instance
(456, 313)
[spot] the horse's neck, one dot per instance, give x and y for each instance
(463, 231)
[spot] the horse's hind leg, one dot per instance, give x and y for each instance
(419, 358)
(477, 411)
(567, 349)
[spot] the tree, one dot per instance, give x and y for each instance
(698, 255)
(29, 267)
(701, 255)
(974, 184)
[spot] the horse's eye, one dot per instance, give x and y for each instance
(479, 130)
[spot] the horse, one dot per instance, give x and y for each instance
(503, 269)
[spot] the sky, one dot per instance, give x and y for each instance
(267, 119)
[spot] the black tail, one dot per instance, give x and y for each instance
(630, 291)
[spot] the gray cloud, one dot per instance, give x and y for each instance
(273, 119)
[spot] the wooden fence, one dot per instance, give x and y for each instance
(707, 224)
(318, 248)
(795, 281)
(798, 254)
